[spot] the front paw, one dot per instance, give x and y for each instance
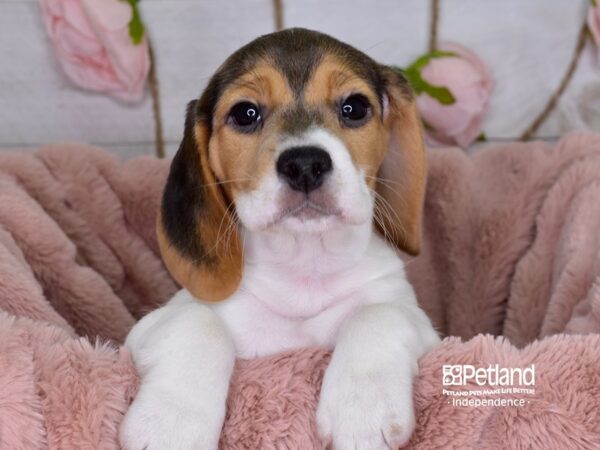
(366, 411)
(156, 421)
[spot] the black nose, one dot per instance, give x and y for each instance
(304, 168)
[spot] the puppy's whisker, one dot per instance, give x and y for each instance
(227, 239)
(387, 183)
(381, 222)
(378, 215)
(219, 183)
(390, 214)
(387, 180)
(220, 237)
(398, 227)
(233, 225)
(385, 204)
(381, 225)
(384, 215)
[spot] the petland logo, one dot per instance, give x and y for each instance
(463, 374)
(504, 386)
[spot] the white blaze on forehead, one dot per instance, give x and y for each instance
(346, 184)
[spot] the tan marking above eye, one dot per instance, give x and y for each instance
(332, 81)
(263, 85)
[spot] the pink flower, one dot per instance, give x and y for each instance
(470, 82)
(593, 22)
(92, 42)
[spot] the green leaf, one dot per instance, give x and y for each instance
(136, 27)
(440, 93)
(482, 137)
(423, 60)
(413, 74)
(594, 3)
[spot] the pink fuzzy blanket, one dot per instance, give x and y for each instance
(511, 247)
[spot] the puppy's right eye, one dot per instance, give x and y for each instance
(245, 116)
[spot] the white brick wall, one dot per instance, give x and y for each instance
(528, 44)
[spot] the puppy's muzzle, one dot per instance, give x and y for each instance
(304, 168)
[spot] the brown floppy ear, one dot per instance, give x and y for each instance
(195, 220)
(402, 172)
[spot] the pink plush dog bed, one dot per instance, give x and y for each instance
(511, 247)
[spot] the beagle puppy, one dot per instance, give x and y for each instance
(297, 151)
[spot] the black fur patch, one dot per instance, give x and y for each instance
(295, 52)
(182, 200)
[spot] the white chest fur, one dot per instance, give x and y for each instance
(345, 289)
(297, 289)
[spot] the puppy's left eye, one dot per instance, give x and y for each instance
(245, 116)
(355, 110)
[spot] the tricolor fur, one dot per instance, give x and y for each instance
(298, 149)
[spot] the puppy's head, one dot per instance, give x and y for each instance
(295, 132)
